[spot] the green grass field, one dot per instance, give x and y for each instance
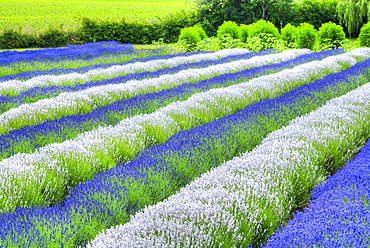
(33, 16)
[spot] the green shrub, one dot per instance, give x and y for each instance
(230, 28)
(254, 44)
(331, 35)
(134, 33)
(189, 38)
(169, 27)
(14, 39)
(244, 32)
(289, 34)
(264, 34)
(306, 36)
(53, 38)
(93, 31)
(364, 36)
(263, 27)
(201, 32)
(209, 44)
(227, 42)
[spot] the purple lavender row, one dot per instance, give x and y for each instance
(87, 51)
(10, 53)
(338, 214)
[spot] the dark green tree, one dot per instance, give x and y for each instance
(266, 5)
(353, 14)
(315, 12)
(214, 12)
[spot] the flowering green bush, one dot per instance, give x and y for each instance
(307, 36)
(189, 38)
(364, 37)
(244, 32)
(289, 34)
(202, 33)
(331, 35)
(263, 27)
(231, 28)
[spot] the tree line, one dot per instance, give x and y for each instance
(351, 14)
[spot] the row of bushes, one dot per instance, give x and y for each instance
(256, 36)
(264, 34)
(315, 12)
(167, 28)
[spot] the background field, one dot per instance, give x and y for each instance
(34, 16)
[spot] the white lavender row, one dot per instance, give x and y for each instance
(239, 202)
(14, 87)
(85, 101)
(42, 177)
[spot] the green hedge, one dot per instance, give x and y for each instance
(167, 28)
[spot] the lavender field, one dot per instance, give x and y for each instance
(103, 145)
